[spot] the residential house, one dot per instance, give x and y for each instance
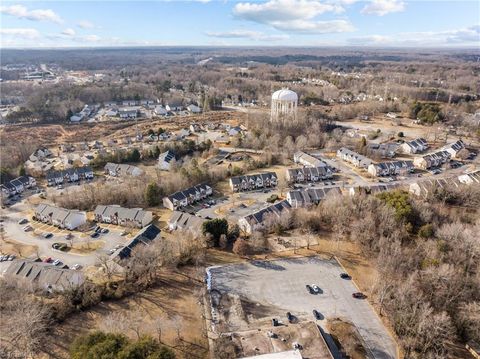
(40, 154)
(131, 217)
(252, 182)
(60, 217)
(122, 170)
(430, 160)
(18, 185)
(195, 127)
(417, 145)
(310, 196)
(174, 106)
(308, 174)
(307, 160)
(43, 275)
(470, 178)
(390, 168)
(384, 150)
(187, 196)
(259, 220)
(166, 159)
(373, 189)
(234, 131)
(194, 109)
(160, 110)
(185, 222)
(354, 158)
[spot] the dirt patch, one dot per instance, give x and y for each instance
(347, 338)
(86, 248)
(8, 246)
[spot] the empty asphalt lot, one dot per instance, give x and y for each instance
(280, 284)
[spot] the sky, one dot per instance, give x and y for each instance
(378, 23)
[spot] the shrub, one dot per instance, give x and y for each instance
(216, 227)
(426, 231)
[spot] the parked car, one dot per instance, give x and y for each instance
(317, 315)
(309, 288)
(358, 295)
(274, 322)
(344, 276)
(11, 257)
(48, 260)
(47, 235)
(27, 228)
(23, 221)
(105, 230)
(316, 289)
(290, 317)
(98, 229)
(124, 233)
(111, 251)
(95, 235)
(77, 267)
(57, 262)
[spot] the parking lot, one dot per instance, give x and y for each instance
(104, 244)
(279, 286)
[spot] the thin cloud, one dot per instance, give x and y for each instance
(461, 37)
(22, 12)
(69, 32)
(246, 34)
(294, 15)
(24, 33)
(85, 24)
(383, 7)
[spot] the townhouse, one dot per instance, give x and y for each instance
(252, 182)
(308, 174)
(121, 170)
(307, 160)
(373, 189)
(454, 148)
(145, 236)
(354, 158)
(59, 217)
(18, 185)
(69, 175)
(185, 222)
(130, 217)
(310, 196)
(259, 220)
(417, 145)
(428, 186)
(44, 276)
(430, 160)
(187, 196)
(391, 168)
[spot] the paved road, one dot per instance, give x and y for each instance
(280, 285)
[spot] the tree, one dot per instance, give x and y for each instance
(216, 227)
(22, 171)
(152, 194)
(117, 346)
(134, 156)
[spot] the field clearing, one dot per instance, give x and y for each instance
(172, 305)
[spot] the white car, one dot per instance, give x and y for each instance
(27, 228)
(56, 262)
(23, 221)
(77, 267)
(316, 288)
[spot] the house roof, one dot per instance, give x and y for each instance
(191, 191)
(130, 214)
(144, 236)
(253, 178)
(167, 156)
(44, 274)
(259, 216)
(184, 220)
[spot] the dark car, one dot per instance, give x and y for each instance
(317, 315)
(274, 322)
(359, 295)
(290, 317)
(94, 235)
(105, 230)
(98, 229)
(310, 289)
(344, 276)
(47, 235)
